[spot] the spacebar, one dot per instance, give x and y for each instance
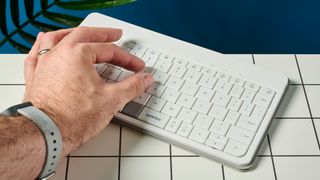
(154, 117)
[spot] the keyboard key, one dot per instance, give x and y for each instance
(186, 100)
(154, 117)
(177, 70)
(171, 109)
(246, 108)
(173, 125)
(163, 65)
(187, 115)
(111, 73)
(267, 91)
(170, 95)
(180, 62)
(234, 104)
(263, 100)
(156, 103)
(218, 112)
(124, 74)
(248, 123)
(221, 99)
(142, 99)
(156, 89)
(218, 137)
(259, 112)
(220, 127)
(203, 121)
(232, 117)
(215, 144)
(236, 91)
(223, 86)
(202, 106)
(209, 71)
(149, 60)
(251, 85)
(223, 76)
(237, 81)
(190, 88)
(194, 66)
(240, 135)
(236, 148)
(207, 80)
(199, 134)
(205, 93)
(166, 57)
(132, 109)
(160, 77)
(100, 68)
(174, 83)
(185, 129)
(150, 70)
(192, 76)
(248, 95)
(152, 52)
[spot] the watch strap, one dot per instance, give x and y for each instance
(49, 131)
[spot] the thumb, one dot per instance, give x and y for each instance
(133, 86)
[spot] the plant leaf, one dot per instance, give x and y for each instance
(93, 4)
(67, 20)
(28, 37)
(3, 22)
(44, 4)
(19, 47)
(45, 27)
(29, 8)
(14, 9)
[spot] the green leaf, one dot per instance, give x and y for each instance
(67, 20)
(19, 47)
(45, 27)
(93, 4)
(3, 22)
(29, 5)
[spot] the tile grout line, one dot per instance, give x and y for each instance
(223, 175)
(290, 155)
(272, 160)
(253, 60)
(67, 169)
(170, 153)
(308, 104)
(119, 158)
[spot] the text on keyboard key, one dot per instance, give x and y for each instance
(218, 112)
(187, 115)
(185, 129)
(156, 103)
(156, 89)
(186, 100)
(154, 117)
(171, 109)
(173, 125)
(220, 127)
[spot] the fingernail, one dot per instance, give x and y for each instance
(148, 80)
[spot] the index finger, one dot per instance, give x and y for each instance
(85, 34)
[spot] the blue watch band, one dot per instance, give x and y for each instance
(49, 131)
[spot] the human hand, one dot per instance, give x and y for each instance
(64, 83)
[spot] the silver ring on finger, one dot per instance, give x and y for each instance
(43, 51)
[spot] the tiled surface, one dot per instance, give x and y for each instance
(295, 152)
(297, 168)
(281, 63)
(195, 168)
(313, 91)
(293, 137)
(309, 65)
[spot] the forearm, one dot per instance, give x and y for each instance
(22, 148)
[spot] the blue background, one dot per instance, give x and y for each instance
(246, 26)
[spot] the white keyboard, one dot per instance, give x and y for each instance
(219, 110)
